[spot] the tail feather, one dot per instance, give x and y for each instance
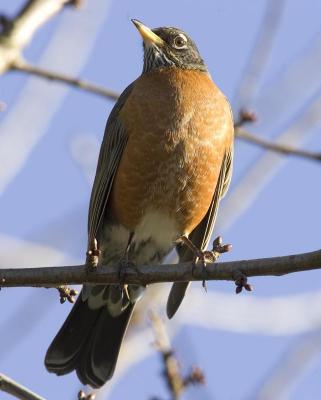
(178, 289)
(63, 353)
(98, 360)
(176, 297)
(88, 342)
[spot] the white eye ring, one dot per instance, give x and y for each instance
(180, 41)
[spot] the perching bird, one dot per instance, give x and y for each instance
(165, 162)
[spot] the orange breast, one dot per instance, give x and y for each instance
(179, 126)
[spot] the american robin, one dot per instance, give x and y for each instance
(164, 164)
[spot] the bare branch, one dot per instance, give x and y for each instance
(231, 271)
(276, 147)
(246, 116)
(260, 53)
(171, 372)
(15, 389)
(17, 33)
(174, 378)
(23, 66)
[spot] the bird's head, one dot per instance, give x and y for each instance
(168, 47)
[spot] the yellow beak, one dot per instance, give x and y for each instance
(147, 34)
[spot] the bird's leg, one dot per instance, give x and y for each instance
(125, 263)
(206, 255)
(92, 254)
(199, 256)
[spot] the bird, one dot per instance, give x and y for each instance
(164, 165)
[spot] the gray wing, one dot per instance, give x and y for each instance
(112, 147)
(201, 235)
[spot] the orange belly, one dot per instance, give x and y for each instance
(179, 127)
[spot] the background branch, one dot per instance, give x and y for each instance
(276, 147)
(260, 54)
(175, 381)
(23, 66)
(15, 389)
(231, 271)
(18, 32)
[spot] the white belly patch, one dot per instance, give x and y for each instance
(153, 238)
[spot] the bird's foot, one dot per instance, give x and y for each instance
(241, 282)
(125, 264)
(92, 254)
(204, 256)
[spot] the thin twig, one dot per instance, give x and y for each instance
(15, 389)
(276, 147)
(143, 275)
(171, 370)
(260, 53)
(247, 116)
(23, 66)
(174, 378)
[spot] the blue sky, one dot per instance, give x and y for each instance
(56, 131)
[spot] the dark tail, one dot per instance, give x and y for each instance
(88, 342)
(176, 297)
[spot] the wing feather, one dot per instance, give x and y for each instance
(201, 235)
(112, 147)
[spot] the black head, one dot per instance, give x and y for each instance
(168, 47)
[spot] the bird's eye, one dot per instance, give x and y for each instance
(180, 42)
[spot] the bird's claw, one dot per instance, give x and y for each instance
(200, 259)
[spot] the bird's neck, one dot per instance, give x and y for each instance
(154, 59)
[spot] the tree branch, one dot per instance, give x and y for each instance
(18, 32)
(276, 147)
(175, 381)
(23, 66)
(15, 389)
(231, 271)
(171, 368)
(247, 116)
